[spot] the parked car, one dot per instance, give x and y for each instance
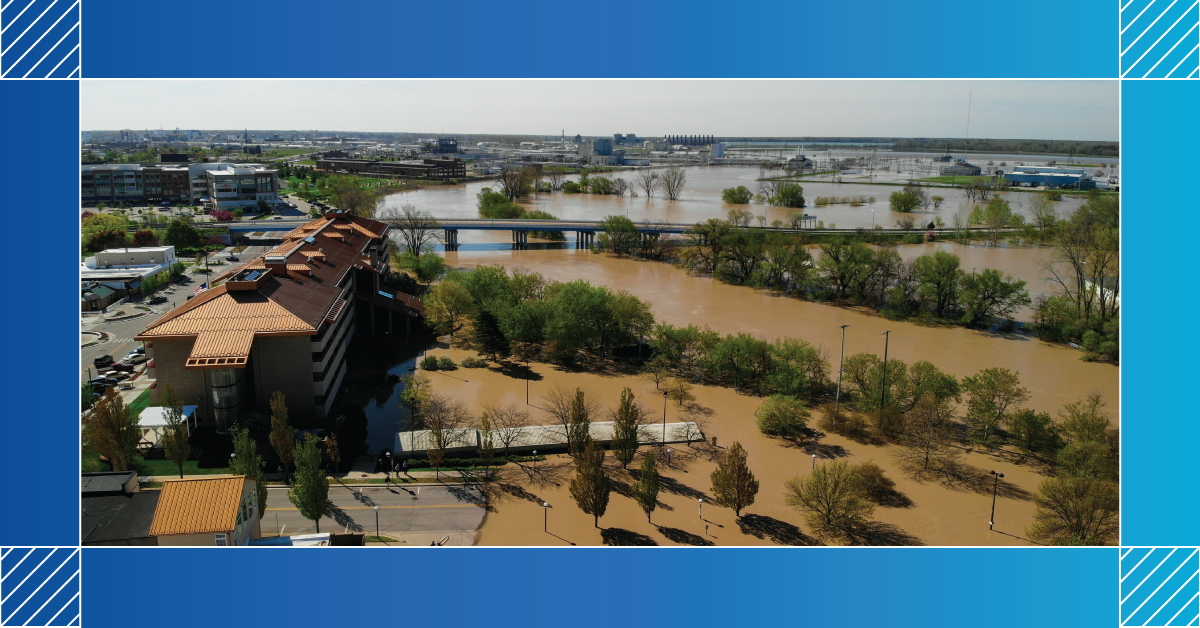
(123, 367)
(114, 374)
(157, 300)
(233, 258)
(276, 217)
(125, 386)
(138, 351)
(99, 384)
(102, 361)
(134, 358)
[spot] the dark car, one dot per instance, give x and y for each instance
(233, 258)
(100, 384)
(102, 361)
(157, 300)
(122, 366)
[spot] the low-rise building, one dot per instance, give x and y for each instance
(113, 511)
(281, 322)
(962, 168)
(439, 169)
(220, 512)
(122, 270)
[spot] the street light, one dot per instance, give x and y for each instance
(546, 516)
(702, 509)
(883, 394)
(841, 361)
(668, 456)
(995, 486)
(535, 461)
(377, 523)
(664, 435)
(387, 473)
(814, 456)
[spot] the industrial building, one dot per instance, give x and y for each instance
(1051, 177)
(596, 147)
(281, 322)
(438, 169)
(962, 168)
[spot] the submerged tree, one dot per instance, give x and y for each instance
(645, 490)
(590, 487)
(733, 484)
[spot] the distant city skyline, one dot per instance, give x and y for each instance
(1052, 110)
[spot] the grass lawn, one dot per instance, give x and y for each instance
(141, 403)
(158, 468)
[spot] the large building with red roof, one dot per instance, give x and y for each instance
(281, 322)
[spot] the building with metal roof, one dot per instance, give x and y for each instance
(1051, 177)
(220, 511)
(281, 322)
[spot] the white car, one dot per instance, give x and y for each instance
(134, 358)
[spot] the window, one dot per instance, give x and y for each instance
(222, 540)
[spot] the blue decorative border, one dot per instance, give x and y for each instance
(39, 586)
(927, 586)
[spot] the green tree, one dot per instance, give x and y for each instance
(991, 393)
(175, 435)
(737, 196)
(905, 201)
(590, 487)
(579, 429)
(798, 368)
(283, 435)
(490, 337)
(621, 234)
(111, 431)
(733, 484)
(1075, 511)
(645, 490)
(928, 433)
(182, 235)
(310, 490)
(989, 295)
(1034, 433)
(626, 420)
(247, 461)
(939, 280)
(782, 415)
(1084, 420)
(997, 216)
(446, 305)
(787, 195)
(832, 498)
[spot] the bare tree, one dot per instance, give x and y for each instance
(648, 180)
(929, 432)
(415, 229)
(561, 404)
(620, 186)
(447, 420)
(557, 178)
(516, 182)
(673, 179)
(507, 423)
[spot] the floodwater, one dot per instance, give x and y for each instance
(701, 200)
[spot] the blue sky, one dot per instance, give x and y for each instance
(1076, 110)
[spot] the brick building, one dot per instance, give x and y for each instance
(439, 169)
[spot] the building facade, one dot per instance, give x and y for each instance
(238, 185)
(439, 169)
(281, 323)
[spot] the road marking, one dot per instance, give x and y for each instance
(393, 507)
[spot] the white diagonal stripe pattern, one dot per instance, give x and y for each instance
(41, 39)
(1156, 42)
(1151, 593)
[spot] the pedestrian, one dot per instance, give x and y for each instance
(405, 467)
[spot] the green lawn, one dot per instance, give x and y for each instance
(141, 403)
(168, 469)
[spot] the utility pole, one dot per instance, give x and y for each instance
(887, 336)
(841, 361)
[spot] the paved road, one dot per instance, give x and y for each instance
(403, 512)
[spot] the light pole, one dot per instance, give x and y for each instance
(702, 509)
(841, 361)
(377, 523)
(545, 516)
(664, 434)
(668, 456)
(527, 391)
(995, 487)
(387, 473)
(887, 336)
(814, 457)
(535, 461)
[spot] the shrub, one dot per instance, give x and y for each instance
(222, 216)
(430, 363)
(875, 484)
(737, 196)
(473, 362)
(782, 415)
(446, 364)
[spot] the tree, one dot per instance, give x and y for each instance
(556, 176)
(939, 280)
(144, 237)
(787, 195)
(490, 337)
(904, 201)
(112, 432)
(782, 415)
(349, 195)
(937, 201)
(832, 498)
(415, 397)
(989, 295)
(445, 419)
(175, 435)
(1075, 511)
(508, 423)
(181, 235)
(741, 195)
(627, 418)
(247, 461)
(645, 490)
(1034, 433)
(446, 305)
(621, 233)
(990, 394)
(283, 435)
(672, 180)
(590, 487)
(649, 182)
(997, 215)
(579, 429)
(1084, 420)
(733, 484)
(516, 182)
(416, 229)
(310, 490)
(928, 434)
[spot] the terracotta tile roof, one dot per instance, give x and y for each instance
(228, 312)
(197, 506)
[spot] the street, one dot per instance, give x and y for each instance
(412, 514)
